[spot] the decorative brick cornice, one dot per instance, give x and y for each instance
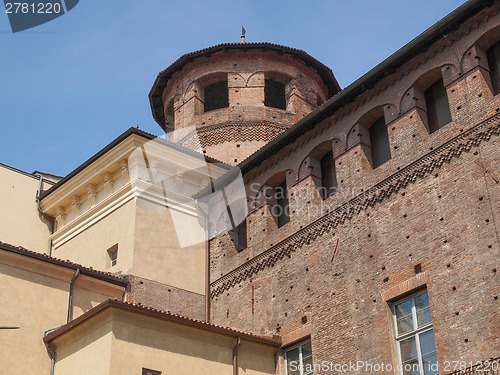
(243, 131)
(419, 169)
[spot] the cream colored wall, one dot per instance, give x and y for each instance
(88, 354)
(158, 253)
(20, 222)
(34, 297)
(141, 342)
(90, 246)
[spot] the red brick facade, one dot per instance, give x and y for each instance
(427, 218)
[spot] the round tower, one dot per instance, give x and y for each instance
(238, 96)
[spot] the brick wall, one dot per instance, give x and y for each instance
(434, 204)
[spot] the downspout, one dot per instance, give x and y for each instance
(52, 358)
(235, 356)
(207, 276)
(50, 219)
(52, 353)
(70, 302)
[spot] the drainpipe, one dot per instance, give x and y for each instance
(235, 356)
(207, 276)
(50, 219)
(52, 353)
(70, 302)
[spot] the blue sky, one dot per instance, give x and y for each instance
(70, 86)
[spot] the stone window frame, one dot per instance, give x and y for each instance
(415, 332)
(299, 345)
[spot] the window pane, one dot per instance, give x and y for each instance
(423, 310)
(430, 364)
(292, 361)
(408, 348)
(422, 301)
(427, 344)
(424, 317)
(411, 368)
(306, 350)
(403, 317)
(308, 365)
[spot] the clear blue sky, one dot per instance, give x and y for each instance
(70, 86)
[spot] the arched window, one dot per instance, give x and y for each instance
(216, 96)
(438, 108)
(379, 143)
(493, 55)
(320, 165)
(274, 94)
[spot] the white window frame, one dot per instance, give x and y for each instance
(301, 361)
(415, 332)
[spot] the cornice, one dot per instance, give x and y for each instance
(417, 170)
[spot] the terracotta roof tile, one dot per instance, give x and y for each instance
(87, 271)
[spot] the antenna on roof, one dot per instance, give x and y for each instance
(243, 31)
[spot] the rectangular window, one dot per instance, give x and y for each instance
(414, 335)
(438, 108)
(298, 359)
(379, 142)
(145, 371)
(113, 255)
(328, 175)
(274, 94)
(216, 96)
(282, 207)
(493, 55)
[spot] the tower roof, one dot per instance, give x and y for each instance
(155, 95)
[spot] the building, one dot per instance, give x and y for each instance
(284, 226)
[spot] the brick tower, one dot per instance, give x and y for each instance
(238, 96)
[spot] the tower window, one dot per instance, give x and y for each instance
(328, 175)
(113, 255)
(415, 335)
(274, 94)
(438, 109)
(493, 55)
(216, 96)
(379, 141)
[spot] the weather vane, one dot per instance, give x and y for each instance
(243, 31)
